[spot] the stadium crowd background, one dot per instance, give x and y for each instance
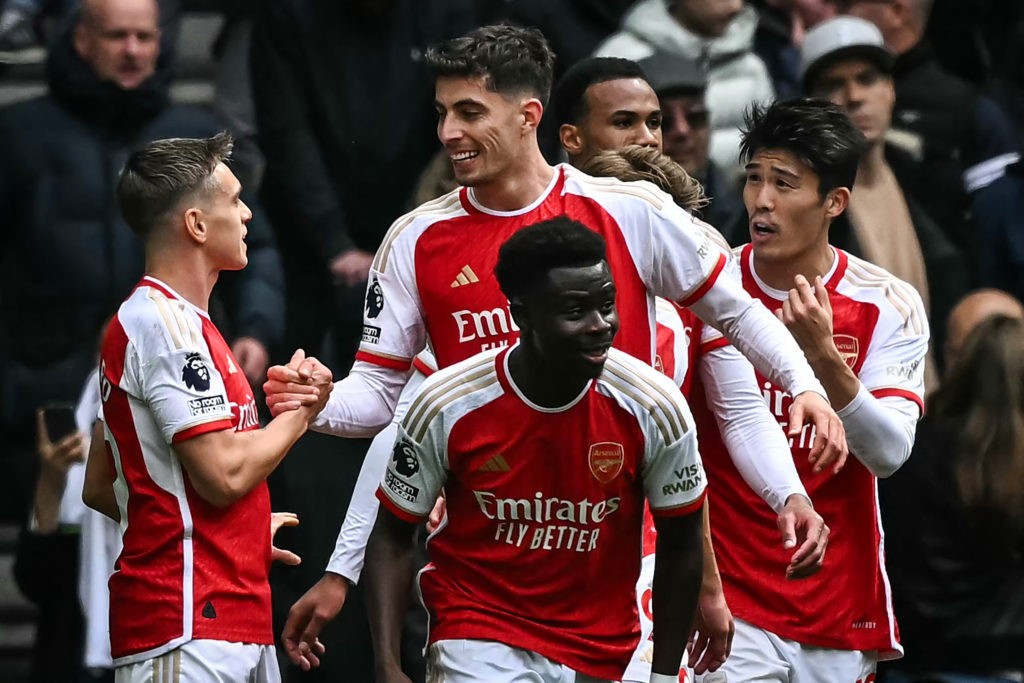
(332, 110)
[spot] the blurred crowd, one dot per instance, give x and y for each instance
(332, 108)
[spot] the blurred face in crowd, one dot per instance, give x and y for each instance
(484, 132)
(709, 18)
(867, 95)
(788, 219)
(810, 12)
(119, 39)
(619, 112)
(686, 130)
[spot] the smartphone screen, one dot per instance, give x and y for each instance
(59, 419)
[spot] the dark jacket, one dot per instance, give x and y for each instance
(963, 140)
(946, 266)
(726, 212)
(344, 107)
(957, 584)
(67, 259)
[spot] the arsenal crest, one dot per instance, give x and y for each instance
(606, 459)
(848, 347)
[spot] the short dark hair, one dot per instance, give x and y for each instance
(158, 176)
(817, 132)
(511, 59)
(569, 101)
(526, 257)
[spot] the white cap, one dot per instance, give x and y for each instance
(838, 37)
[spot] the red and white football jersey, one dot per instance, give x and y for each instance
(880, 327)
(188, 569)
(432, 280)
(541, 545)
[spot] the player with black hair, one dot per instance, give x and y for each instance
(435, 268)
(865, 333)
(546, 451)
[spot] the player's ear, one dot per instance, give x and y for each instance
(569, 136)
(531, 110)
(519, 314)
(836, 202)
(194, 226)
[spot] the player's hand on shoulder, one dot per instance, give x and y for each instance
(711, 636)
(307, 618)
(291, 386)
(804, 529)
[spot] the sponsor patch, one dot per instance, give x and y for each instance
(606, 459)
(207, 405)
(195, 374)
(374, 299)
(404, 458)
(371, 334)
(848, 347)
(402, 489)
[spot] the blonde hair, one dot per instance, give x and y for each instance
(635, 162)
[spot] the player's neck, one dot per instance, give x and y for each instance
(780, 274)
(521, 186)
(191, 278)
(547, 387)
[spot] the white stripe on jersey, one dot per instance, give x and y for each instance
(901, 295)
(643, 385)
(443, 208)
(446, 387)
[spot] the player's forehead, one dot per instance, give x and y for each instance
(620, 94)
(453, 91)
(779, 161)
(579, 281)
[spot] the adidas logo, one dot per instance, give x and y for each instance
(495, 464)
(466, 276)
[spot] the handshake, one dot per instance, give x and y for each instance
(304, 383)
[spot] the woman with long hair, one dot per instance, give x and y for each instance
(954, 520)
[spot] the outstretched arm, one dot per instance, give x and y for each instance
(389, 557)
(678, 565)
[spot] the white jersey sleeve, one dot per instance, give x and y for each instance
(393, 324)
(173, 373)
(672, 472)
(415, 474)
(881, 421)
(350, 547)
(756, 444)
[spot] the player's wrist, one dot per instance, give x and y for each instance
(664, 678)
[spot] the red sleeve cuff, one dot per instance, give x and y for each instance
(717, 343)
(425, 369)
(902, 393)
(204, 428)
(403, 515)
(681, 510)
(708, 283)
(401, 364)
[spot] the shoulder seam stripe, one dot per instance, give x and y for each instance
(445, 204)
(899, 294)
(180, 328)
(435, 398)
(429, 412)
(668, 430)
(443, 383)
(641, 384)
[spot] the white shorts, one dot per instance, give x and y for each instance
(206, 661)
(758, 655)
(488, 661)
(639, 669)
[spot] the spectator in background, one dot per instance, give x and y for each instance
(681, 85)
(964, 142)
(68, 258)
(346, 123)
(845, 61)
(720, 34)
(954, 515)
(780, 32)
